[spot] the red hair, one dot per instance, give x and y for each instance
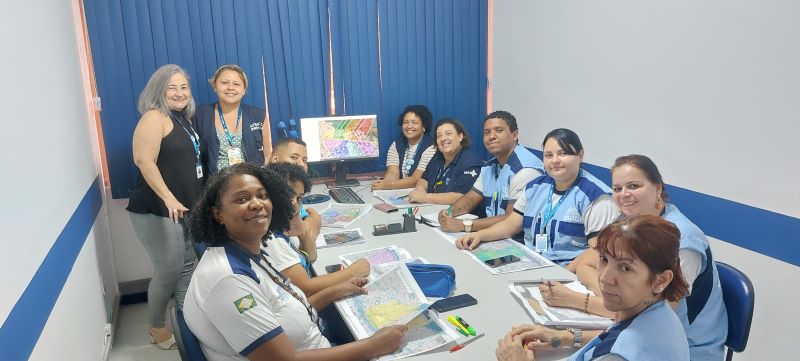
(652, 240)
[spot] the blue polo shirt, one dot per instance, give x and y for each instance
(458, 176)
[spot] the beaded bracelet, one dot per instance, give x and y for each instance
(586, 304)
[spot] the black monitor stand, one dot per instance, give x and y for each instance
(341, 176)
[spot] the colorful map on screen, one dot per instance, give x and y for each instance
(348, 138)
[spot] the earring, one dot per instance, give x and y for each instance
(659, 203)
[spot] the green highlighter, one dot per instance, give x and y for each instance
(466, 325)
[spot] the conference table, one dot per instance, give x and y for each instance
(496, 311)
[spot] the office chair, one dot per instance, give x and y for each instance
(188, 345)
(739, 298)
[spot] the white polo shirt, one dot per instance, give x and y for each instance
(233, 306)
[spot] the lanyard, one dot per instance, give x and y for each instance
(192, 135)
(225, 126)
(409, 162)
(440, 175)
(281, 281)
(549, 211)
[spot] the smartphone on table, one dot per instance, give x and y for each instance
(455, 302)
(501, 261)
(333, 268)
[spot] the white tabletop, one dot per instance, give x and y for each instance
(497, 310)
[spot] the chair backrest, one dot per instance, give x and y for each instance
(739, 298)
(188, 345)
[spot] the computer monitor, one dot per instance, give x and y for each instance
(340, 139)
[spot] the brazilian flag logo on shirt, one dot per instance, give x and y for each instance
(245, 303)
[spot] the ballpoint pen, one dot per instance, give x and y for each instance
(459, 346)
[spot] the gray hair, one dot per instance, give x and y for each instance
(152, 96)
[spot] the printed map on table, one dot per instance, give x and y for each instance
(342, 215)
(377, 256)
(348, 138)
(528, 259)
(390, 298)
(397, 197)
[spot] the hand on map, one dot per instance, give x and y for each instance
(387, 339)
(541, 338)
(450, 223)
(417, 196)
(512, 348)
(557, 295)
(359, 281)
(349, 288)
(380, 185)
(359, 268)
(468, 241)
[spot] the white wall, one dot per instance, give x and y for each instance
(707, 89)
(48, 149)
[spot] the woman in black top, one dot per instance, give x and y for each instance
(166, 149)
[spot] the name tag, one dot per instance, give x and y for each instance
(540, 244)
(235, 155)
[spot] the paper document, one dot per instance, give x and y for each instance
(529, 259)
(331, 239)
(391, 299)
(530, 296)
(397, 197)
(340, 215)
(377, 256)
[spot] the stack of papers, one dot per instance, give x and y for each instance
(527, 292)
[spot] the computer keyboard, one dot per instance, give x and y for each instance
(345, 195)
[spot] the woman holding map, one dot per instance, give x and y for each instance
(453, 169)
(639, 272)
(409, 154)
(238, 305)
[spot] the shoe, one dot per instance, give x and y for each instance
(168, 344)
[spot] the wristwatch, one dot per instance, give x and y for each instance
(467, 225)
(577, 336)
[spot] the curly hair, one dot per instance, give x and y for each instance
(422, 112)
(203, 227)
(291, 173)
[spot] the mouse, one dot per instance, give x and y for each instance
(316, 198)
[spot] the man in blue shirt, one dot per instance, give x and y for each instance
(307, 226)
(502, 179)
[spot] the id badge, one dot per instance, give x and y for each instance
(540, 243)
(199, 168)
(235, 155)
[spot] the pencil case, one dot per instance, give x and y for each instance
(435, 280)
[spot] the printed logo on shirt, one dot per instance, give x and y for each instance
(573, 216)
(256, 126)
(471, 172)
(245, 303)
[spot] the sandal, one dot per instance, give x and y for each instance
(168, 344)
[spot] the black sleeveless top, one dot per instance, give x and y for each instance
(176, 162)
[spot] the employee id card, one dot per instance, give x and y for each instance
(540, 242)
(199, 169)
(235, 155)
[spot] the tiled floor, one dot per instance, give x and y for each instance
(131, 342)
